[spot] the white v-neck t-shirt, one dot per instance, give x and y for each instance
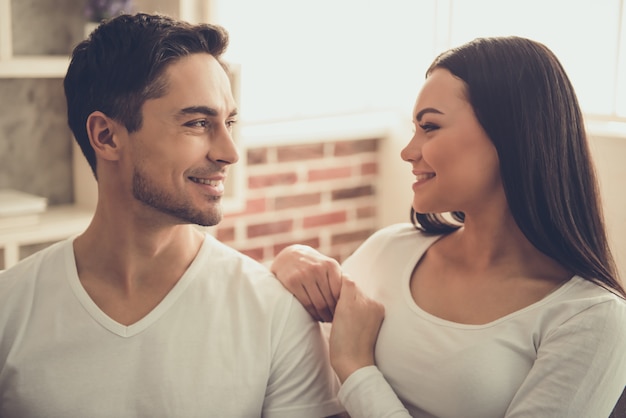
(227, 341)
(563, 356)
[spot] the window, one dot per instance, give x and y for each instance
(304, 59)
(584, 34)
(301, 59)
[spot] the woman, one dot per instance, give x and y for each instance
(502, 298)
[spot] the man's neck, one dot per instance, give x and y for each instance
(128, 272)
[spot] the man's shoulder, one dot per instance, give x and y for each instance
(230, 261)
(33, 278)
(31, 267)
(234, 269)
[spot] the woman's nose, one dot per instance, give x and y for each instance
(413, 150)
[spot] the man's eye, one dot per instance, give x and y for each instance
(202, 123)
(231, 123)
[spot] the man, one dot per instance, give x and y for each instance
(143, 315)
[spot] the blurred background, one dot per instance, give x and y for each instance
(326, 90)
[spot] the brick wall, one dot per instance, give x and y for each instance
(320, 194)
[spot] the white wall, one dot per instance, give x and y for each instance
(609, 153)
(394, 186)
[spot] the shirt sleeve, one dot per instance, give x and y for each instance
(302, 383)
(366, 394)
(580, 368)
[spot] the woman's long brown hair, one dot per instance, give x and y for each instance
(526, 103)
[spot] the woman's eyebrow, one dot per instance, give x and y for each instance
(422, 112)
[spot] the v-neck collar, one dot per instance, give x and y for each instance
(110, 324)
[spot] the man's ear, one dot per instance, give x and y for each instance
(102, 136)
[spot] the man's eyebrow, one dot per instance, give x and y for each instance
(205, 110)
(422, 112)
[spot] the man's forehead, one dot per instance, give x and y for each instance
(199, 82)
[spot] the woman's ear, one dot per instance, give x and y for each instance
(102, 136)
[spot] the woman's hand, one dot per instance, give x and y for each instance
(313, 278)
(354, 331)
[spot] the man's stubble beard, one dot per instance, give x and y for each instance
(149, 194)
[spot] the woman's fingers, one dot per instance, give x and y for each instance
(313, 278)
(318, 306)
(354, 331)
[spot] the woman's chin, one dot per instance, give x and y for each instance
(423, 208)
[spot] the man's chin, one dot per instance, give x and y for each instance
(209, 220)
(207, 224)
(200, 219)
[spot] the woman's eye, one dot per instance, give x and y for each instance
(230, 123)
(428, 127)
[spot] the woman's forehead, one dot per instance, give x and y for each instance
(441, 89)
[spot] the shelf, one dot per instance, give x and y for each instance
(58, 222)
(34, 67)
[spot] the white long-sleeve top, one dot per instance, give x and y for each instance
(563, 356)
